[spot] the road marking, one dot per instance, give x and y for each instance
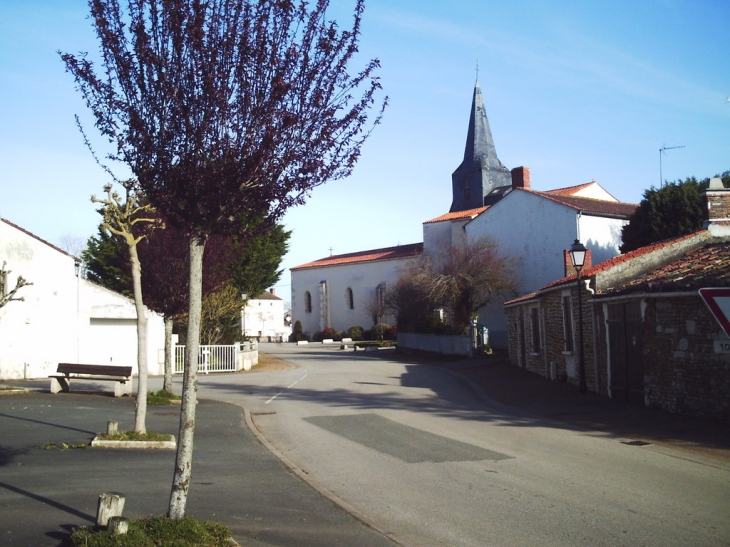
(287, 387)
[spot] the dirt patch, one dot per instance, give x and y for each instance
(267, 363)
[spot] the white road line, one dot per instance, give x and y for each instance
(287, 387)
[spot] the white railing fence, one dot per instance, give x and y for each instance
(210, 358)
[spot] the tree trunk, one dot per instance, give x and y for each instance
(141, 412)
(184, 456)
(169, 354)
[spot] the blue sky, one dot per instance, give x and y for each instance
(575, 90)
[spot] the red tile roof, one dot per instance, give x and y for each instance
(616, 260)
(470, 213)
(388, 253)
(570, 190)
(590, 205)
(706, 266)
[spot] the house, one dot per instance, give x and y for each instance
(536, 226)
(63, 317)
(648, 337)
(487, 200)
(265, 317)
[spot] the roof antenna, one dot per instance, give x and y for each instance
(661, 151)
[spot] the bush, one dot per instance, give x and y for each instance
(328, 333)
(339, 335)
(317, 336)
(392, 333)
(297, 329)
(355, 332)
(379, 331)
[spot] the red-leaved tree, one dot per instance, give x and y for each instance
(224, 108)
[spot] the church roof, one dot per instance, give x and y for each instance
(387, 253)
(471, 213)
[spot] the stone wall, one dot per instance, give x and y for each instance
(682, 372)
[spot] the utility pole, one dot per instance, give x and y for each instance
(661, 151)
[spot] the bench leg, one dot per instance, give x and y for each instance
(122, 388)
(60, 384)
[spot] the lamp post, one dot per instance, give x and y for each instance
(578, 258)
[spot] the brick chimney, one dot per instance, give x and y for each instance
(568, 264)
(521, 177)
(272, 290)
(717, 208)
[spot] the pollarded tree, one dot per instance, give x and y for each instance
(7, 296)
(224, 109)
(130, 219)
(674, 210)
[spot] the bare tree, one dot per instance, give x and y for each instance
(130, 219)
(9, 296)
(464, 280)
(224, 109)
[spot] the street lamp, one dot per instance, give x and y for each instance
(578, 259)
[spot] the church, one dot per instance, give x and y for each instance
(488, 199)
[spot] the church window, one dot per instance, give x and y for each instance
(308, 302)
(349, 299)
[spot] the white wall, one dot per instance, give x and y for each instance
(63, 318)
(264, 317)
(537, 230)
(361, 277)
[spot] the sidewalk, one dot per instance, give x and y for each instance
(46, 489)
(528, 392)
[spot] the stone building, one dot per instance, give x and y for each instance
(649, 339)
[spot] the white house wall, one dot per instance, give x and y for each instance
(538, 230)
(264, 317)
(361, 277)
(54, 322)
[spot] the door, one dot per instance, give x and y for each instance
(626, 347)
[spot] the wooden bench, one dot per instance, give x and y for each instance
(122, 376)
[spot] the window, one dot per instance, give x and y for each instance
(567, 323)
(535, 323)
(349, 299)
(307, 302)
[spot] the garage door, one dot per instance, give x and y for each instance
(112, 342)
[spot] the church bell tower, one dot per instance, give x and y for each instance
(481, 171)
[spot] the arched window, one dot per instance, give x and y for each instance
(349, 299)
(308, 302)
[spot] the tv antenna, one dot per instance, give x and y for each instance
(661, 152)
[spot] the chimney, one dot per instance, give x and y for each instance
(272, 290)
(717, 208)
(521, 177)
(568, 264)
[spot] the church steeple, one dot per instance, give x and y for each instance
(481, 171)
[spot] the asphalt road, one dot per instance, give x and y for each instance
(414, 449)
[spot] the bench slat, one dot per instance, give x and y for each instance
(94, 370)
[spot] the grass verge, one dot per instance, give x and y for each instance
(134, 436)
(161, 398)
(156, 531)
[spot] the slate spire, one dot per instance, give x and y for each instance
(481, 171)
